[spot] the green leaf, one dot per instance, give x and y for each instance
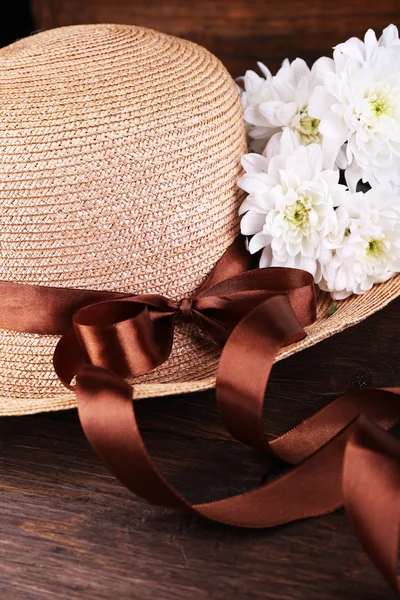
(332, 309)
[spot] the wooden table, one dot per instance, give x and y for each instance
(69, 530)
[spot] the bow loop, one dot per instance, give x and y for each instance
(108, 331)
(129, 336)
(221, 307)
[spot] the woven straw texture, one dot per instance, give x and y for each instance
(120, 150)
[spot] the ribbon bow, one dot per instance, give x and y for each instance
(132, 335)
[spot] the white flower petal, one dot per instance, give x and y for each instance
(354, 48)
(264, 70)
(285, 113)
(322, 66)
(353, 174)
(254, 163)
(255, 203)
(299, 71)
(253, 116)
(270, 112)
(334, 127)
(253, 183)
(288, 142)
(390, 35)
(320, 102)
(371, 44)
(251, 223)
(266, 257)
(252, 81)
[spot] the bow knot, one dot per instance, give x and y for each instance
(185, 309)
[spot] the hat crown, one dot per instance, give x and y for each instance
(120, 149)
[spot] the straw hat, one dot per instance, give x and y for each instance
(120, 150)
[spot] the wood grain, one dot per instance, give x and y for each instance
(239, 32)
(70, 531)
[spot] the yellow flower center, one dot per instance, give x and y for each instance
(379, 106)
(307, 128)
(297, 214)
(375, 248)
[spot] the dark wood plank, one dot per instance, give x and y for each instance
(70, 531)
(240, 32)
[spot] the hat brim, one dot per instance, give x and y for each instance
(30, 385)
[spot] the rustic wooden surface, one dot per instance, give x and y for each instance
(68, 529)
(240, 32)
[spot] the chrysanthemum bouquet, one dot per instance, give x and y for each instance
(323, 175)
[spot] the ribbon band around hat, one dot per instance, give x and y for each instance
(338, 455)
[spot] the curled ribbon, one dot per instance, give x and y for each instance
(339, 457)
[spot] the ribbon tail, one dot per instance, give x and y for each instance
(107, 415)
(245, 366)
(317, 446)
(68, 358)
(371, 489)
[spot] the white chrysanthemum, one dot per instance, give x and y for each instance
(286, 106)
(290, 207)
(359, 103)
(257, 90)
(368, 246)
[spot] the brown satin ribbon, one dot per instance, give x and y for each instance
(339, 457)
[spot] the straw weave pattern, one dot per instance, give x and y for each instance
(119, 154)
